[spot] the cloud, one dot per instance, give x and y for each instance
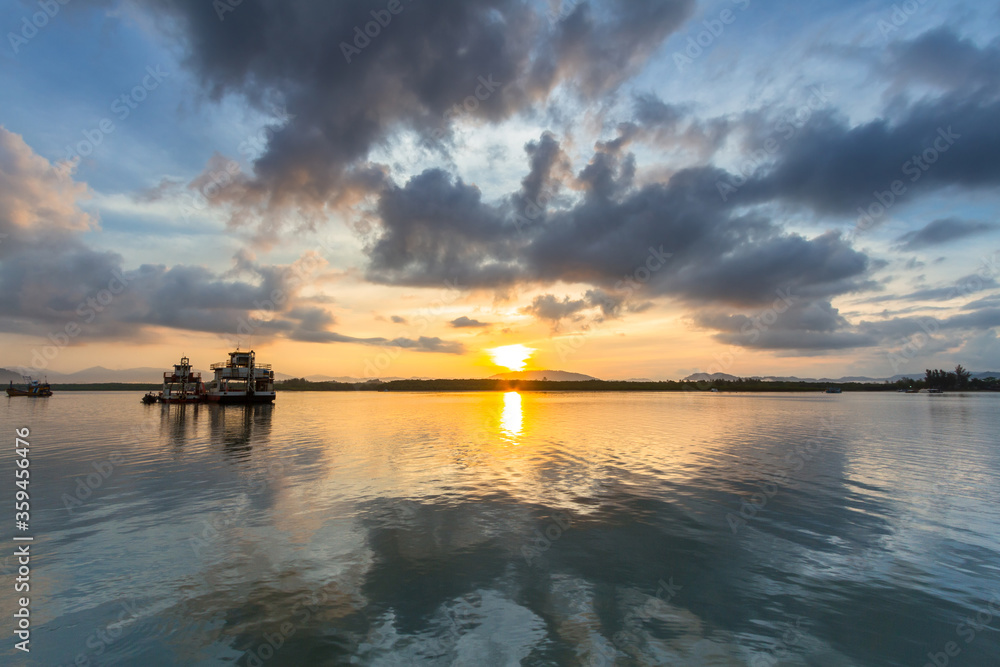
(549, 307)
(345, 98)
(36, 195)
(51, 282)
(464, 322)
(421, 344)
(787, 325)
(942, 231)
(679, 236)
(836, 168)
(396, 319)
(945, 60)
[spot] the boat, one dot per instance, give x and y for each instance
(241, 380)
(935, 391)
(32, 388)
(833, 390)
(150, 398)
(182, 385)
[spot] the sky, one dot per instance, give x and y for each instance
(397, 187)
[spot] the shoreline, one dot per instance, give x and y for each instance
(536, 385)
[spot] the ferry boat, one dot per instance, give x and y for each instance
(32, 388)
(182, 385)
(241, 380)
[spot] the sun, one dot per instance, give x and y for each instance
(513, 357)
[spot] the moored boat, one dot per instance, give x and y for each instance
(32, 388)
(833, 390)
(182, 385)
(241, 380)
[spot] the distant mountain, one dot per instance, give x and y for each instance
(554, 376)
(6, 376)
(705, 377)
(144, 375)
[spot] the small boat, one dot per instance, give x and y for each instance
(241, 380)
(935, 391)
(32, 388)
(912, 391)
(833, 390)
(182, 385)
(150, 398)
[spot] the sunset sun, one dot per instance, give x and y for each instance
(513, 357)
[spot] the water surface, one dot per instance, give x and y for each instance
(505, 529)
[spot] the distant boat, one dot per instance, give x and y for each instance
(935, 391)
(833, 390)
(32, 388)
(150, 398)
(182, 385)
(241, 380)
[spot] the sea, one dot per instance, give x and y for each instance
(558, 528)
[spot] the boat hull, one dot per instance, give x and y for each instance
(31, 394)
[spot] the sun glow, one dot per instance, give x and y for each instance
(513, 357)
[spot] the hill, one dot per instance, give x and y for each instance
(551, 376)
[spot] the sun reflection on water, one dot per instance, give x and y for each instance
(511, 418)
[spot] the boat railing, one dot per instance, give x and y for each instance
(227, 364)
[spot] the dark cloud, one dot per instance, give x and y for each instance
(436, 229)
(942, 231)
(609, 305)
(836, 168)
(396, 319)
(431, 57)
(787, 325)
(464, 322)
(549, 307)
(677, 239)
(944, 59)
(940, 140)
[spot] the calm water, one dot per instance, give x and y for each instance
(504, 529)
